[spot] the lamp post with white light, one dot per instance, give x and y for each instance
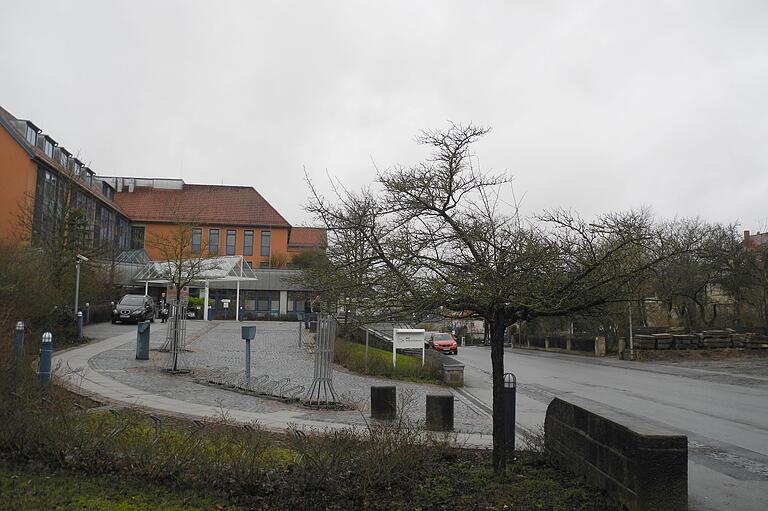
(78, 259)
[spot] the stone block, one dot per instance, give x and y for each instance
(383, 402)
(439, 412)
(642, 466)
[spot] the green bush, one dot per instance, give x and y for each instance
(385, 466)
(352, 356)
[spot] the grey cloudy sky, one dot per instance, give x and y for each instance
(595, 105)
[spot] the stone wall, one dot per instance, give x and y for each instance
(642, 466)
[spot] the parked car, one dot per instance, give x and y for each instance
(444, 342)
(134, 308)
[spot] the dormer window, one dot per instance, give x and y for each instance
(31, 135)
(63, 158)
(107, 190)
(48, 148)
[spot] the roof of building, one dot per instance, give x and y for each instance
(202, 204)
(11, 123)
(755, 240)
(302, 237)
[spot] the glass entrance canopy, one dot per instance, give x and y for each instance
(225, 268)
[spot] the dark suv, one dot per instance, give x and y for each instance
(134, 308)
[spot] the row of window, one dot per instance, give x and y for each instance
(65, 158)
(231, 242)
(103, 226)
(263, 301)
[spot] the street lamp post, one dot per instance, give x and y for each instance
(78, 259)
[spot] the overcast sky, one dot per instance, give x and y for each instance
(594, 105)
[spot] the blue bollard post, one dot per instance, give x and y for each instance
(20, 339)
(79, 325)
(46, 351)
(142, 340)
(87, 315)
(248, 333)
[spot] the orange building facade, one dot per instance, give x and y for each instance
(129, 213)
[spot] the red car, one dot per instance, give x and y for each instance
(443, 342)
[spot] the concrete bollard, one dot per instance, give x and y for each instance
(19, 338)
(142, 341)
(46, 352)
(439, 412)
(600, 346)
(79, 325)
(383, 402)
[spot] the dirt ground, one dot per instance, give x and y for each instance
(736, 361)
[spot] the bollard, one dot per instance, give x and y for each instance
(20, 339)
(383, 402)
(439, 412)
(46, 351)
(248, 333)
(510, 399)
(142, 341)
(87, 315)
(79, 325)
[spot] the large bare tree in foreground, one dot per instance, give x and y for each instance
(440, 233)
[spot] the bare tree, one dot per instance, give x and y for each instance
(440, 233)
(180, 250)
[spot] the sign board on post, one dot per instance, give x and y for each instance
(225, 303)
(407, 339)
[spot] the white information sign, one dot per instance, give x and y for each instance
(225, 302)
(407, 339)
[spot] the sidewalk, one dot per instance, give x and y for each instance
(106, 370)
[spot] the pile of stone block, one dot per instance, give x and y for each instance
(756, 341)
(685, 341)
(715, 339)
(663, 341)
(644, 342)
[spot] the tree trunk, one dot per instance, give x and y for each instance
(497, 363)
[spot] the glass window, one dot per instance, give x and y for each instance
(31, 135)
(231, 241)
(249, 264)
(197, 238)
(275, 301)
(266, 240)
(264, 264)
(63, 158)
(247, 243)
(213, 242)
(48, 148)
(137, 237)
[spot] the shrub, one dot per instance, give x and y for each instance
(352, 356)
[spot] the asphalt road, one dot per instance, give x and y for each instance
(724, 414)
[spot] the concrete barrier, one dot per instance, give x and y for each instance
(595, 346)
(643, 466)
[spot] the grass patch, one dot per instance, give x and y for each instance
(351, 355)
(34, 486)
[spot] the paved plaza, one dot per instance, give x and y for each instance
(107, 368)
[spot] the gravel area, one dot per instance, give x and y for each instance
(217, 352)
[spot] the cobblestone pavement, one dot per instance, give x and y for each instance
(217, 352)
